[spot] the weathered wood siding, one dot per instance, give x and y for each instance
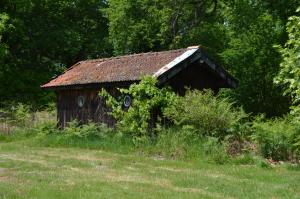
(94, 108)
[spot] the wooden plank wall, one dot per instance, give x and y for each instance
(94, 108)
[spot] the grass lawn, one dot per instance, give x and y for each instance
(37, 172)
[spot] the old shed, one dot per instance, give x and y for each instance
(77, 88)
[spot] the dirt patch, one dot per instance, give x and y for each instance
(92, 158)
(29, 159)
(6, 175)
(4, 178)
(2, 170)
(64, 155)
(131, 168)
(206, 173)
(174, 170)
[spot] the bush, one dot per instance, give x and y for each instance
(16, 115)
(278, 139)
(210, 115)
(74, 130)
(147, 99)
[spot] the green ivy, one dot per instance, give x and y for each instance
(147, 98)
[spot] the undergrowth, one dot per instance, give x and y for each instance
(200, 126)
(171, 143)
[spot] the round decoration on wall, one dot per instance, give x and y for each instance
(80, 101)
(127, 101)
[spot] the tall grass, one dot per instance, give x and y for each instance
(21, 116)
(278, 139)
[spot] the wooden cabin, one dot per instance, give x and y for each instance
(78, 87)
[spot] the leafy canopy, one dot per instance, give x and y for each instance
(147, 25)
(3, 26)
(289, 74)
(251, 58)
(44, 37)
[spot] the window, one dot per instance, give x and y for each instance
(80, 101)
(127, 101)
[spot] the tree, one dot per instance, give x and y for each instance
(44, 38)
(3, 25)
(238, 33)
(289, 74)
(147, 25)
(251, 57)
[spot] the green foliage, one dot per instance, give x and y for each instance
(184, 143)
(39, 39)
(3, 26)
(273, 139)
(264, 164)
(251, 58)
(240, 32)
(176, 143)
(147, 99)
(215, 150)
(278, 139)
(17, 115)
(90, 136)
(245, 159)
(21, 114)
(289, 75)
(44, 37)
(211, 116)
(144, 25)
(52, 173)
(86, 131)
(74, 131)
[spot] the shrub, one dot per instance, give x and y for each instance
(290, 68)
(211, 116)
(84, 131)
(278, 139)
(21, 114)
(147, 98)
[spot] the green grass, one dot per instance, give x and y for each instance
(41, 172)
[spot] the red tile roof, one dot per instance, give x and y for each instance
(115, 69)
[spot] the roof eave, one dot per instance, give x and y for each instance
(90, 85)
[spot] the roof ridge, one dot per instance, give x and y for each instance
(132, 55)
